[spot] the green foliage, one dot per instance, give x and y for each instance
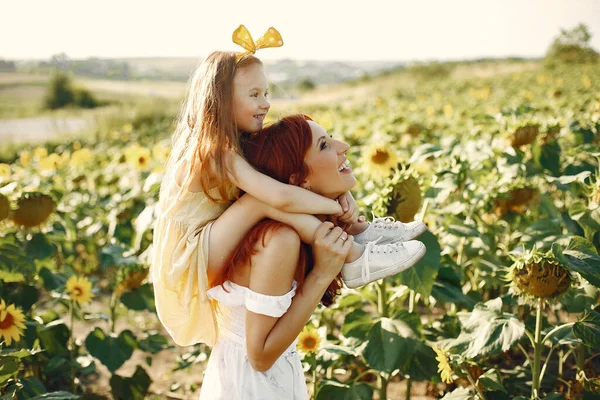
(61, 93)
(572, 46)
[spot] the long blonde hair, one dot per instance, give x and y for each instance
(206, 126)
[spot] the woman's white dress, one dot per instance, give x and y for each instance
(229, 375)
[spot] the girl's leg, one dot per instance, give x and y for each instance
(229, 229)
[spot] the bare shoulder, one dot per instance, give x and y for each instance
(274, 264)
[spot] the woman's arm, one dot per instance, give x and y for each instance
(282, 196)
(268, 337)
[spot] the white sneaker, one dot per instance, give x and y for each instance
(390, 231)
(381, 260)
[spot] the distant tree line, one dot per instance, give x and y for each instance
(62, 93)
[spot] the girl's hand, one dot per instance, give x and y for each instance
(349, 208)
(331, 246)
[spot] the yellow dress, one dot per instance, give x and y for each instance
(179, 264)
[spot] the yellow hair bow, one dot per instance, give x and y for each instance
(241, 36)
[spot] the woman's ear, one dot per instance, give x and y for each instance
(295, 180)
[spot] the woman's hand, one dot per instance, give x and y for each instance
(331, 246)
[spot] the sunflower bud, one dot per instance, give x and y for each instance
(33, 209)
(515, 200)
(405, 200)
(524, 135)
(540, 275)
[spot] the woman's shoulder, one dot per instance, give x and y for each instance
(231, 294)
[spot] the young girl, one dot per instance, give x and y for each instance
(197, 212)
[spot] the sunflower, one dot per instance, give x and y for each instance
(33, 209)
(160, 152)
(52, 162)
(11, 323)
(308, 340)
(380, 159)
(25, 158)
(40, 152)
(525, 134)
(405, 200)
(4, 171)
(138, 157)
(80, 157)
(80, 289)
(444, 367)
(539, 275)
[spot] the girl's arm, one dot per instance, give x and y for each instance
(284, 197)
(268, 337)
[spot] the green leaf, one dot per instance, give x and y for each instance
(154, 343)
(485, 331)
(330, 390)
(450, 293)
(39, 247)
(57, 396)
(421, 276)
(31, 387)
(11, 277)
(580, 257)
(112, 255)
(357, 324)
(547, 156)
(131, 388)
(111, 351)
(52, 280)
(54, 337)
(588, 329)
(459, 393)
(26, 297)
(8, 366)
(491, 381)
(393, 344)
(140, 298)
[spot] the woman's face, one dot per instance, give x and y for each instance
(329, 174)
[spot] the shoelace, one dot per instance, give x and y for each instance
(366, 269)
(387, 222)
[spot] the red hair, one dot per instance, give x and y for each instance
(278, 150)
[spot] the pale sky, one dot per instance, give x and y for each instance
(311, 29)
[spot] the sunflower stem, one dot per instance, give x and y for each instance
(472, 382)
(383, 387)
(313, 362)
(382, 307)
(408, 387)
(113, 312)
(535, 387)
(525, 353)
(72, 340)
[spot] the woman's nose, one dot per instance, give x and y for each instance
(342, 146)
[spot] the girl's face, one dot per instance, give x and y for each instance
(329, 174)
(250, 104)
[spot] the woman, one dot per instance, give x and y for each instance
(272, 283)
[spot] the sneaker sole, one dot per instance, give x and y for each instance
(357, 282)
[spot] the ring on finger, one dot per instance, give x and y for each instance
(344, 237)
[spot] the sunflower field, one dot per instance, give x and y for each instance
(505, 170)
